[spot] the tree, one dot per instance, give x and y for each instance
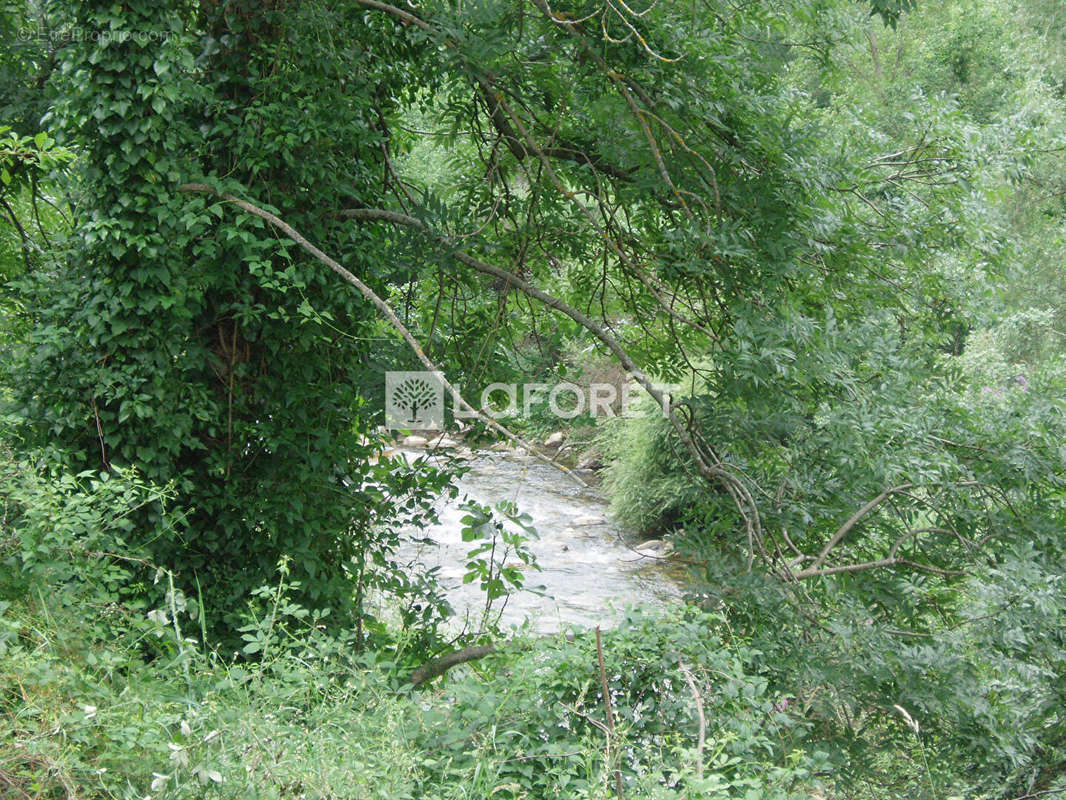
(730, 242)
(803, 267)
(196, 348)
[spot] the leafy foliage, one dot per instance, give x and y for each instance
(196, 346)
(106, 694)
(836, 226)
(499, 535)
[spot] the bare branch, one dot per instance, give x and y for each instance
(698, 699)
(399, 13)
(438, 666)
(842, 531)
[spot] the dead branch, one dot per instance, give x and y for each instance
(698, 699)
(608, 713)
(438, 666)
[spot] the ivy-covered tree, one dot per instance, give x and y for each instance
(195, 346)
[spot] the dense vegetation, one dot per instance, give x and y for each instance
(836, 228)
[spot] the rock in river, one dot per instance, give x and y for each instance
(588, 519)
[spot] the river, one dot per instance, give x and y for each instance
(590, 567)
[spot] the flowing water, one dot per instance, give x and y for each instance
(590, 569)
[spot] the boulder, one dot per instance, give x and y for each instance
(385, 455)
(590, 462)
(415, 441)
(555, 439)
(656, 548)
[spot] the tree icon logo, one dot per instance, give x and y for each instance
(414, 400)
(414, 395)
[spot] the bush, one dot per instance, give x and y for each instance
(537, 723)
(951, 637)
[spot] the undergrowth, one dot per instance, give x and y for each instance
(104, 694)
(108, 690)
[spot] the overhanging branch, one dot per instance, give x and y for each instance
(438, 666)
(383, 307)
(713, 471)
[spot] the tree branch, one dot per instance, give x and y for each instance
(568, 152)
(714, 472)
(382, 306)
(842, 531)
(438, 666)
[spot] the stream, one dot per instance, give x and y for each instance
(590, 567)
